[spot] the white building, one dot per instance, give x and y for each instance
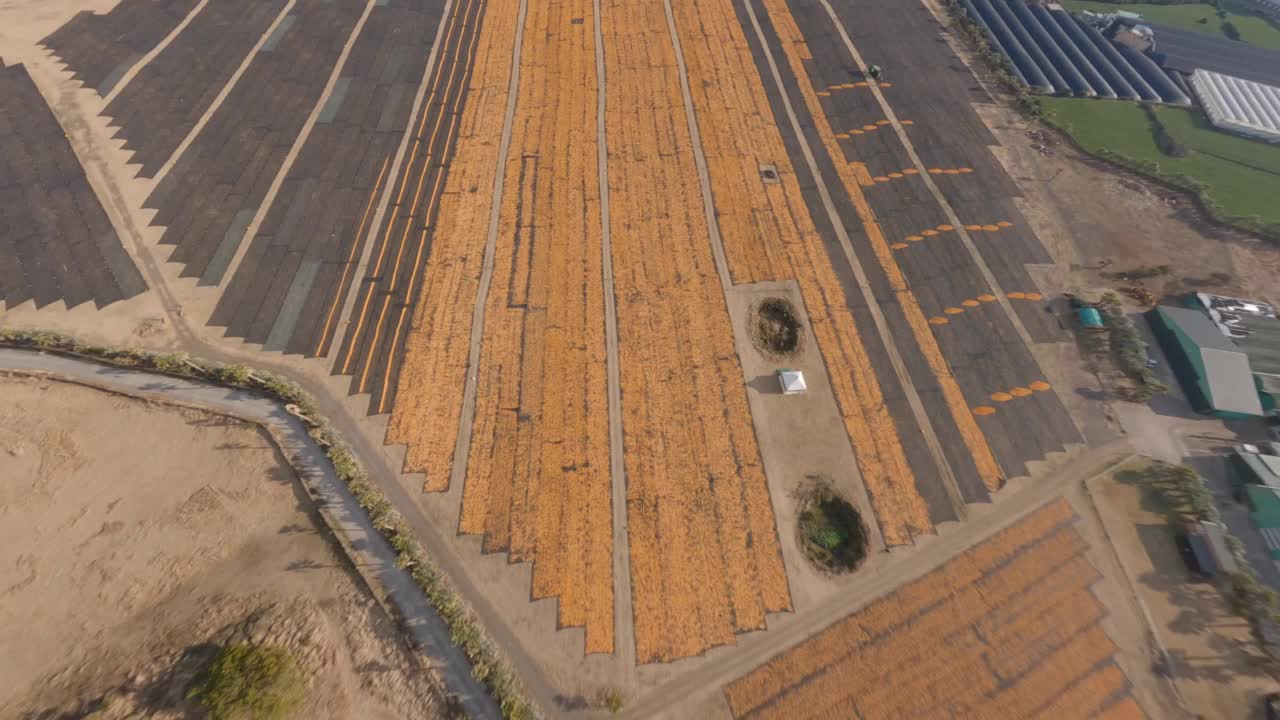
(1240, 106)
(1230, 314)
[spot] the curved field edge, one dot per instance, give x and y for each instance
(1126, 134)
(1043, 109)
(465, 629)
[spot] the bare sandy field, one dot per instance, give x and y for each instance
(140, 536)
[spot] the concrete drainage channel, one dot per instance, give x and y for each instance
(368, 551)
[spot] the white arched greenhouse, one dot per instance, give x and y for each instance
(1240, 106)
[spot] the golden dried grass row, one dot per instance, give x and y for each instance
(984, 583)
(1047, 679)
(1125, 709)
(538, 481)
(1031, 566)
(911, 640)
(705, 560)
(768, 233)
(945, 676)
(794, 47)
(1069, 580)
(1016, 650)
(404, 217)
(429, 389)
(1086, 698)
(967, 568)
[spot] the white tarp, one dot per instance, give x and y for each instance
(792, 381)
(1241, 106)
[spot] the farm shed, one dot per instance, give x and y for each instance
(1208, 542)
(1213, 371)
(1238, 105)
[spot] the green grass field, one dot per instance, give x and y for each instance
(1243, 176)
(1253, 29)
(1193, 130)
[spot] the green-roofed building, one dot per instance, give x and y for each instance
(1215, 372)
(1256, 477)
(1262, 345)
(1265, 504)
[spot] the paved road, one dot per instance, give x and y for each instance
(373, 558)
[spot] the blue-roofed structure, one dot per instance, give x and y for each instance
(1053, 52)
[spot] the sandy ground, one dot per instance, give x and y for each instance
(138, 536)
(1082, 212)
(1213, 653)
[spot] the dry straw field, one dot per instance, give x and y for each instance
(769, 235)
(429, 391)
(1007, 629)
(705, 560)
(537, 483)
(852, 177)
(383, 309)
(704, 549)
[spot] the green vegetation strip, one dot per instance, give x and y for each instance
(247, 682)
(487, 663)
(1234, 178)
(1130, 349)
(1202, 18)
(1193, 130)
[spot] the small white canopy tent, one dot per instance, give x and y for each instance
(792, 381)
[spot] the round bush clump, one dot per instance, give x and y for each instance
(247, 682)
(830, 530)
(775, 327)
